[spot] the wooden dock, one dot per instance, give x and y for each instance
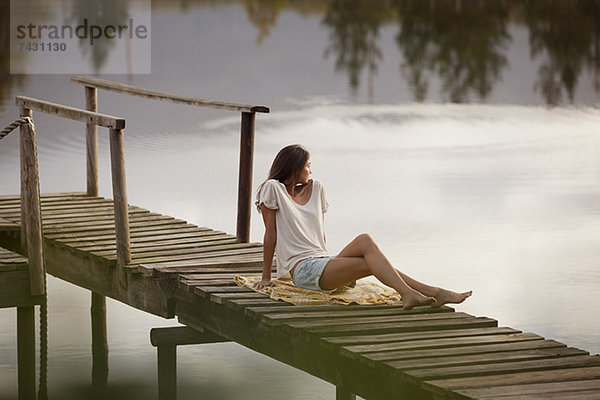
(378, 352)
(170, 268)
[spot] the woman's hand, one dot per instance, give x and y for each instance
(263, 283)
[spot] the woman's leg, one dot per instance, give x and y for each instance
(362, 257)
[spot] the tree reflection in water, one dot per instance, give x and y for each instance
(101, 13)
(462, 42)
(354, 30)
(566, 35)
(7, 81)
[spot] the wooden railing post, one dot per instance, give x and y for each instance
(24, 112)
(117, 161)
(99, 344)
(245, 178)
(342, 394)
(91, 104)
(31, 213)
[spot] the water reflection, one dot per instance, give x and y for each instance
(462, 43)
(263, 14)
(353, 32)
(7, 81)
(453, 50)
(566, 36)
(101, 13)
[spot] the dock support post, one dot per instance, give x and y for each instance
(167, 372)
(117, 158)
(26, 352)
(343, 394)
(166, 341)
(91, 140)
(245, 177)
(99, 345)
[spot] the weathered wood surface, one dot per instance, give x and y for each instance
(32, 213)
(94, 82)
(377, 352)
(14, 281)
(75, 114)
(117, 162)
(245, 177)
(91, 142)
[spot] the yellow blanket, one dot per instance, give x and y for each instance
(364, 293)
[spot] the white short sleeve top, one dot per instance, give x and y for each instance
(300, 232)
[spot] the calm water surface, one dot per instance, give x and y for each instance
(474, 163)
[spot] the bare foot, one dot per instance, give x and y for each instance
(446, 296)
(414, 298)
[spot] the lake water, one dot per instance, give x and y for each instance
(475, 164)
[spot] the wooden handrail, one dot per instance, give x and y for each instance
(75, 114)
(248, 112)
(117, 155)
(174, 98)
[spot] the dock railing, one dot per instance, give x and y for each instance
(244, 208)
(31, 214)
(117, 154)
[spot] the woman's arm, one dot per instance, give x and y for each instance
(324, 237)
(270, 239)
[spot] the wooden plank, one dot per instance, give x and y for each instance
(142, 234)
(207, 291)
(398, 317)
(90, 216)
(17, 197)
(396, 359)
(222, 298)
(504, 368)
(192, 248)
(8, 226)
(190, 265)
(360, 329)
(266, 302)
(440, 343)
(533, 389)
(159, 248)
(571, 395)
(335, 342)
(202, 275)
(444, 386)
(150, 240)
(202, 254)
(312, 315)
(516, 353)
(211, 282)
(91, 219)
(47, 200)
(109, 226)
(75, 114)
(210, 267)
(155, 95)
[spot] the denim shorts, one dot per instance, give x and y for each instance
(308, 272)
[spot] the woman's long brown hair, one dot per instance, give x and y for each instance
(287, 163)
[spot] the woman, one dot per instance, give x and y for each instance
(293, 207)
